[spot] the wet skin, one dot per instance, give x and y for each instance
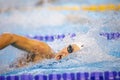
(37, 50)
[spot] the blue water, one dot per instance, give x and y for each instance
(97, 55)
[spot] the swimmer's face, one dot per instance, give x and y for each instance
(66, 51)
(63, 53)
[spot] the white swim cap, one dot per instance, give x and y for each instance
(79, 44)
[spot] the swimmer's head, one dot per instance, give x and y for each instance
(68, 50)
(77, 46)
(74, 48)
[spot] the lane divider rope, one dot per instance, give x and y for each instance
(107, 75)
(101, 7)
(51, 38)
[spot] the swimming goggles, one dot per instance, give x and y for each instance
(70, 49)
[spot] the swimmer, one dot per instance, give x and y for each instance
(37, 50)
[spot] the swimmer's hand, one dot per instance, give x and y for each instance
(61, 55)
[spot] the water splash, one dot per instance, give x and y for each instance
(94, 55)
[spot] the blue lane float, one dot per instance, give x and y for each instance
(107, 75)
(2, 78)
(12, 78)
(111, 35)
(97, 76)
(40, 77)
(55, 77)
(26, 77)
(68, 76)
(82, 76)
(111, 75)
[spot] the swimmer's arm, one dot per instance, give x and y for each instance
(17, 41)
(5, 40)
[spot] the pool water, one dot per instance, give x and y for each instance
(98, 54)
